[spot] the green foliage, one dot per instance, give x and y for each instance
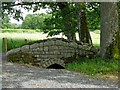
(93, 15)
(34, 21)
(14, 26)
(64, 16)
(5, 21)
(95, 66)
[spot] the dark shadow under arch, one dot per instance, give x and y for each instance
(55, 66)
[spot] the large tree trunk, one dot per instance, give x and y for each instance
(83, 30)
(109, 41)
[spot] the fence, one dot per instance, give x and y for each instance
(5, 44)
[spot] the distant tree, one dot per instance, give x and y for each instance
(34, 21)
(14, 26)
(5, 22)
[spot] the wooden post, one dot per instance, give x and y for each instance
(25, 41)
(4, 45)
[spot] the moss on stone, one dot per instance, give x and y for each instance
(21, 57)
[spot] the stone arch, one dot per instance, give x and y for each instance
(53, 61)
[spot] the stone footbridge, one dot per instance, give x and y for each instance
(44, 53)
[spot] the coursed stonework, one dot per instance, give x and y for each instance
(51, 51)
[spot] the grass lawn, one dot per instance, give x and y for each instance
(95, 66)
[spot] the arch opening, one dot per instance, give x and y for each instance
(55, 66)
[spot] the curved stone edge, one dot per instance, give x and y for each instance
(13, 51)
(51, 62)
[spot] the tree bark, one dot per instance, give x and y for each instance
(78, 19)
(83, 30)
(109, 40)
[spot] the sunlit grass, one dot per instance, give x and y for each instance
(95, 66)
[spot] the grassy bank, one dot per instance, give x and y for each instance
(96, 66)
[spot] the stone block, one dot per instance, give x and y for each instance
(45, 48)
(56, 52)
(58, 42)
(42, 53)
(35, 45)
(36, 53)
(45, 56)
(47, 52)
(51, 42)
(41, 49)
(34, 50)
(55, 47)
(41, 44)
(25, 48)
(38, 56)
(47, 43)
(64, 43)
(73, 44)
(51, 52)
(51, 48)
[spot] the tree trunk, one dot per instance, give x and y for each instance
(109, 40)
(84, 30)
(78, 19)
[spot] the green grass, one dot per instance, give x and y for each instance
(16, 30)
(95, 66)
(20, 30)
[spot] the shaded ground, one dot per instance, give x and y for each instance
(21, 76)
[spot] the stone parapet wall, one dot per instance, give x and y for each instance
(47, 52)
